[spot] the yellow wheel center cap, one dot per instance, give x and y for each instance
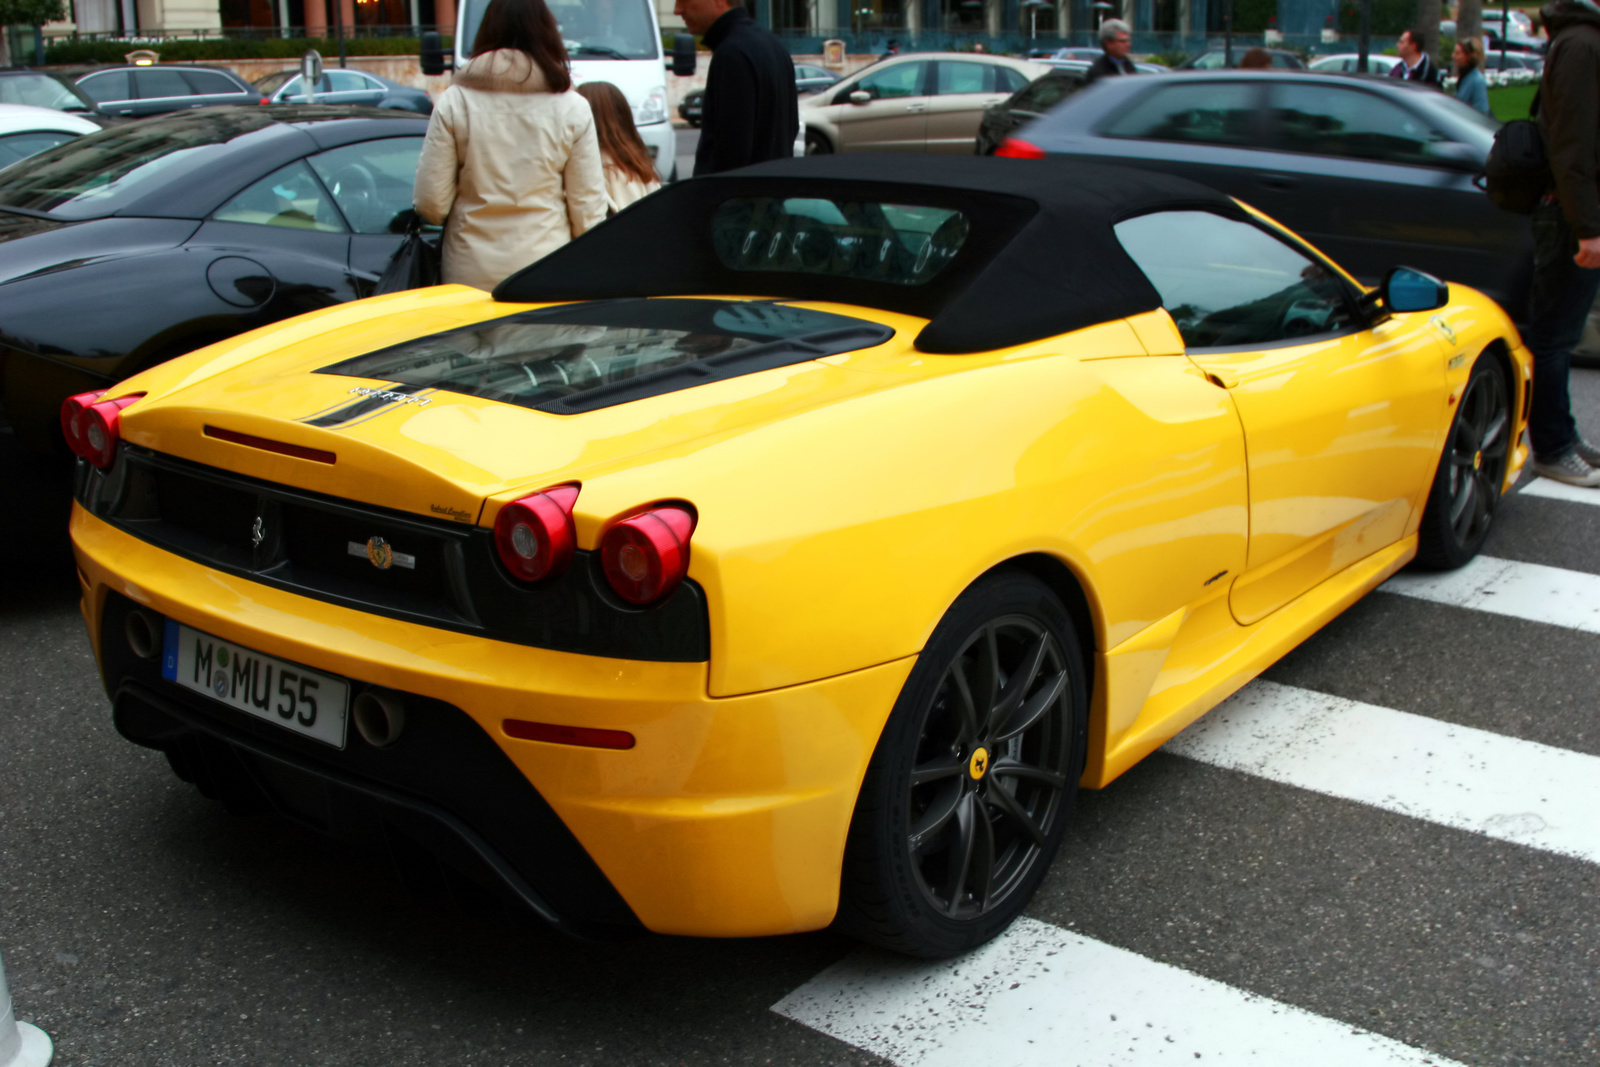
(1477, 461)
(978, 765)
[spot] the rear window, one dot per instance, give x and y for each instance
(583, 357)
(900, 244)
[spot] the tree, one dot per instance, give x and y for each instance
(1429, 15)
(25, 13)
(1469, 21)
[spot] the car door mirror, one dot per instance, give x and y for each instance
(1455, 156)
(684, 56)
(1407, 289)
(861, 96)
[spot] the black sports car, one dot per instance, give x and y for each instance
(150, 239)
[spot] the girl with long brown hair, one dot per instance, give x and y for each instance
(629, 172)
(511, 164)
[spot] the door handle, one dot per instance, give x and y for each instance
(917, 107)
(1281, 182)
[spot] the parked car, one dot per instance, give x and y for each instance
(140, 91)
(345, 87)
(944, 487)
(1373, 170)
(1001, 120)
(1087, 55)
(51, 89)
(1349, 63)
(183, 230)
(1498, 60)
(25, 131)
(808, 78)
(1218, 59)
(1518, 38)
(922, 102)
(1142, 66)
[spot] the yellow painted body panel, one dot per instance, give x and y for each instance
(1214, 509)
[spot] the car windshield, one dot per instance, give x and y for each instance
(582, 357)
(272, 82)
(40, 90)
(100, 174)
(593, 29)
(1468, 124)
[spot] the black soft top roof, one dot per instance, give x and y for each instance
(1041, 258)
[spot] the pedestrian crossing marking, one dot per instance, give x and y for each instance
(1575, 494)
(1039, 995)
(1457, 776)
(1507, 587)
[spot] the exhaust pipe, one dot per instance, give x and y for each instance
(380, 715)
(141, 631)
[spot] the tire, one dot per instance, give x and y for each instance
(1466, 489)
(947, 846)
(817, 144)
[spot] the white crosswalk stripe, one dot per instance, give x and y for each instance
(1457, 776)
(1506, 587)
(1041, 996)
(1560, 491)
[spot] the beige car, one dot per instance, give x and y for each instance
(922, 102)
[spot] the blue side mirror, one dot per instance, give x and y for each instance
(1406, 289)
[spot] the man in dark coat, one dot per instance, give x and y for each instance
(1116, 41)
(1415, 64)
(1566, 238)
(751, 111)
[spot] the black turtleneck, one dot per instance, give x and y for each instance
(751, 111)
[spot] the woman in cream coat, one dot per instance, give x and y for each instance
(511, 165)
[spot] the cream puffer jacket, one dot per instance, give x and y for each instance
(511, 169)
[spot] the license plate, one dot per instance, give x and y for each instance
(294, 697)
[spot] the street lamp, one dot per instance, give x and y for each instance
(1101, 9)
(1033, 7)
(861, 15)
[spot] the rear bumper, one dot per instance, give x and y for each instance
(727, 818)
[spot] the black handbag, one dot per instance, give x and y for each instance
(415, 264)
(1517, 174)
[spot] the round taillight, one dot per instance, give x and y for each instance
(646, 555)
(93, 427)
(535, 535)
(72, 410)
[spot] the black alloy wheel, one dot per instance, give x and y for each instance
(817, 144)
(968, 794)
(1466, 490)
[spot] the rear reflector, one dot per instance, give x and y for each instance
(1017, 148)
(283, 448)
(587, 736)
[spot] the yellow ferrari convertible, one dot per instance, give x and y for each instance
(789, 549)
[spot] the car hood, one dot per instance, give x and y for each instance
(42, 246)
(440, 453)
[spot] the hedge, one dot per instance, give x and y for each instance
(70, 51)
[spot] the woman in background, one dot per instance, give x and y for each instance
(1471, 89)
(510, 165)
(629, 172)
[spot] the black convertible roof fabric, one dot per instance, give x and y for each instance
(1041, 257)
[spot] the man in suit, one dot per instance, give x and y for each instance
(1116, 41)
(1415, 64)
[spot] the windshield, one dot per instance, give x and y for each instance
(40, 90)
(1468, 124)
(593, 29)
(272, 82)
(101, 173)
(582, 357)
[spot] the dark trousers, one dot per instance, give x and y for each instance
(1558, 307)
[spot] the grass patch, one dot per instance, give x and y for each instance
(1512, 101)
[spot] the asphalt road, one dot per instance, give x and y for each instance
(140, 924)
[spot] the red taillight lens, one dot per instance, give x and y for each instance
(93, 427)
(264, 100)
(535, 535)
(1017, 148)
(551, 733)
(645, 556)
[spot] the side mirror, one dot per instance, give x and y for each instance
(1455, 156)
(1407, 289)
(861, 96)
(432, 55)
(683, 54)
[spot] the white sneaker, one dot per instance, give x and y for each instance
(1587, 452)
(1568, 467)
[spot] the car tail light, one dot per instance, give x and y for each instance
(554, 734)
(646, 555)
(535, 535)
(1017, 148)
(93, 427)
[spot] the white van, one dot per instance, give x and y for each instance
(616, 41)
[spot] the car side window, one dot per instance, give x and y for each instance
(347, 81)
(956, 77)
(1350, 123)
(156, 83)
(1009, 81)
(290, 197)
(1220, 113)
(1044, 94)
(371, 181)
(1227, 282)
(15, 146)
(38, 90)
(112, 85)
(900, 80)
(210, 82)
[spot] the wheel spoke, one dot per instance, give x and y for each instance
(1032, 711)
(1494, 430)
(1010, 768)
(981, 877)
(966, 707)
(935, 770)
(955, 880)
(1019, 683)
(1460, 460)
(934, 819)
(1007, 805)
(987, 684)
(1459, 506)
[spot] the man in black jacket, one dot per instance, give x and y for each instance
(1116, 40)
(752, 110)
(1566, 238)
(1415, 64)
